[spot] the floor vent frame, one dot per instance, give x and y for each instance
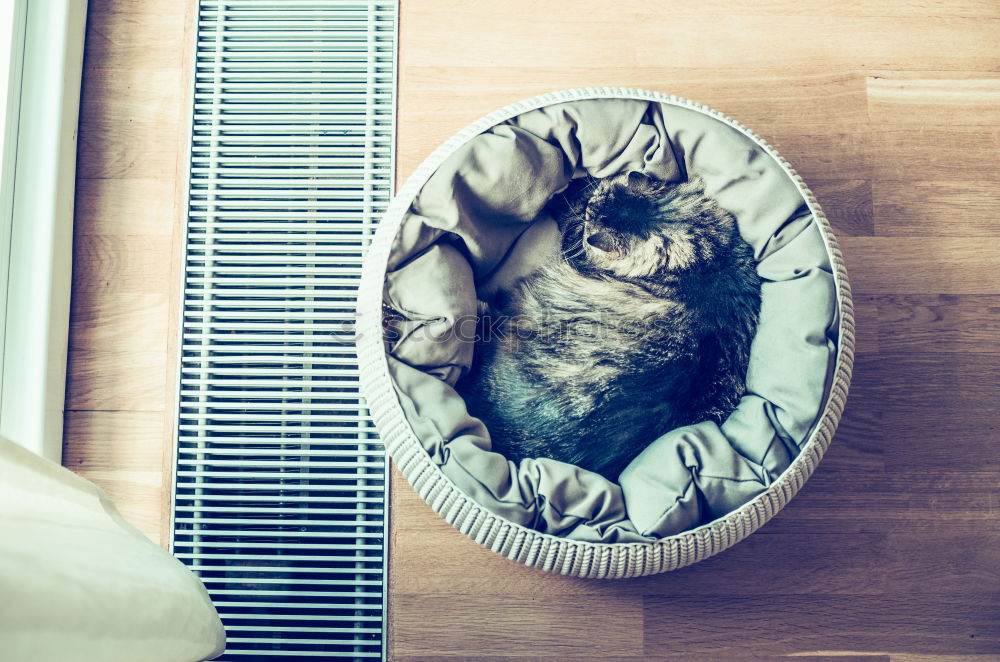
(280, 484)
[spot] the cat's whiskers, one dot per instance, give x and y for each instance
(575, 251)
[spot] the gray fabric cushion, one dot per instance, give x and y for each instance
(476, 223)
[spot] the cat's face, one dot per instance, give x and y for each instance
(635, 226)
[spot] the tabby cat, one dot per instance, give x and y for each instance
(642, 325)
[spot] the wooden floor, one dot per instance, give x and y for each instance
(132, 156)
(891, 112)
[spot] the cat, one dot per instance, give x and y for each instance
(642, 325)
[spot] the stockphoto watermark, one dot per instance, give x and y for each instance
(491, 327)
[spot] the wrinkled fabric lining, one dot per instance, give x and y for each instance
(475, 224)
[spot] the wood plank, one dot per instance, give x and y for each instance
(117, 380)
(940, 409)
(134, 34)
(142, 94)
(832, 502)
(105, 320)
(859, 445)
(926, 500)
(867, 322)
(912, 265)
(176, 263)
(928, 323)
(781, 106)
(566, 626)
(128, 219)
(939, 567)
(684, 657)
(121, 452)
(126, 207)
(123, 149)
(834, 153)
(916, 657)
(448, 562)
(796, 624)
(932, 9)
(940, 436)
(633, 35)
(781, 99)
(927, 152)
(136, 495)
(109, 440)
(132, 91)
(850, 42)
(958, 208)
(847, 204)
(121, 264)
(927, 98)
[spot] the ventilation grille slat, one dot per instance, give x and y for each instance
(280, 482)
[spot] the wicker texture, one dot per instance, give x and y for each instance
(540, 550)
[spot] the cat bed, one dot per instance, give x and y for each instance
(469, 217)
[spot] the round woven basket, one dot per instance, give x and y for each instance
(541, 550)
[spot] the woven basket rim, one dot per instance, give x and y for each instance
(522, 543)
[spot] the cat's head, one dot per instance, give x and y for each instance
(636, 226)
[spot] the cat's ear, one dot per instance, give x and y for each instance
(635, 178)
(603, 241)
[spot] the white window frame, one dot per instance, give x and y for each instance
(41, 58)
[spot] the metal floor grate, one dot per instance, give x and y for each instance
(280, 485)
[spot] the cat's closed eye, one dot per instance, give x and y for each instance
(603, 241)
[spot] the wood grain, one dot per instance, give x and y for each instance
(672, 657)
(889, 111)
(937, 208)
(888, 108)
(105, 320)
(795, 624)
(128, 219)
(121, 452)
(939, 322)
(118, 379)
(915, 265)
(848, 204)
(933, 98)
(866, 337)
(109, 440)
(566, 625)
(122, 263)
(126, 207)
